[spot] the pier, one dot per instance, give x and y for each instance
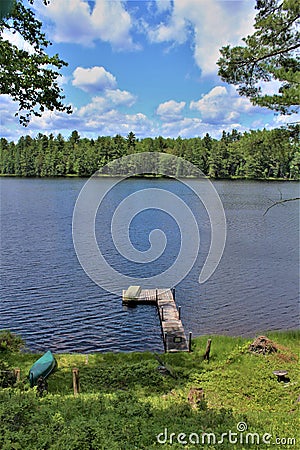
(174, 337)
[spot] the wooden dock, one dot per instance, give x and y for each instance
(174, 337)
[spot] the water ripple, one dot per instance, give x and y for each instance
(49, 300)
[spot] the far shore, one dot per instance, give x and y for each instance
(148, 176)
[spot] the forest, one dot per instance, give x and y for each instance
(260, 154)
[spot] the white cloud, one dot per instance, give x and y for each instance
(192, 127)
(113, 23)
(282, 120)
(91, 119)
(98, 105)
(110, 100)
(213, 24)
(99, 117)
(8, 108)
(74, 22)
(175, 30)
(270, 87)
(170, 110)
(223, 104)
(185, 127)
(93, 79)
(97, 79)
(120, 98)
(163, 5)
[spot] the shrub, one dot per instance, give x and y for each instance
(7, 375)
(10, 342)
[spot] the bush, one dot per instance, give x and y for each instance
(7, 375)
(10, 342)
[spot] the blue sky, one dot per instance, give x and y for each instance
(143, 66)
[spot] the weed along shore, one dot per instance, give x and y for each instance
(143, 400)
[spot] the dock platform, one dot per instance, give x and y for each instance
(174, 337)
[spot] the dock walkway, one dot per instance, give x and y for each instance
(174, 337)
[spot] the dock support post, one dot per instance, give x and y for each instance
(179, 312)
(162, 313)
(173, 293)
(190, 341)
(165, 339)
(75, 381)
(156, 295)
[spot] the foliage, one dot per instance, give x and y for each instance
(255, 154)
(10, 342)
(125, 402)
(6, 7)
(269, 54)
(7, 375)
(29, 76)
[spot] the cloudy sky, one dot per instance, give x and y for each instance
(143, 66)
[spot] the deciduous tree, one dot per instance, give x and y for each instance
(29, 76)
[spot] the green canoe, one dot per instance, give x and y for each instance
(42, 368)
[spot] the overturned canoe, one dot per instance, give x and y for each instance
(43, 367)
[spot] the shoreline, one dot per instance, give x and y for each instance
(147, 176)
(289, 331)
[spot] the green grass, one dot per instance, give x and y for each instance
(125, 402)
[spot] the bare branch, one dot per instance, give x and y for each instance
(279, 202)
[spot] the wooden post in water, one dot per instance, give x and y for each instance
(165, 339)
(179, 312)
(162, 313)
(75, 381)
(173, 292)
(207, 351)
(156, 295)
(190, 341)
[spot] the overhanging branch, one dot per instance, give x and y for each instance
(279, 202)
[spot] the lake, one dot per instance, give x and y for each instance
(48, 298)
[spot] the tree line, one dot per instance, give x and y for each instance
(260, 154)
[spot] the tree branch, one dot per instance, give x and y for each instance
(279, 202)
(270, 55)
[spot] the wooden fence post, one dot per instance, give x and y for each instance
(190, 341)
(17, 373)
(75, 381)
(206, 354)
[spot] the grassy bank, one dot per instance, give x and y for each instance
(126, 401)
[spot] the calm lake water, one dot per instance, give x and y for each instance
(47, 297)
